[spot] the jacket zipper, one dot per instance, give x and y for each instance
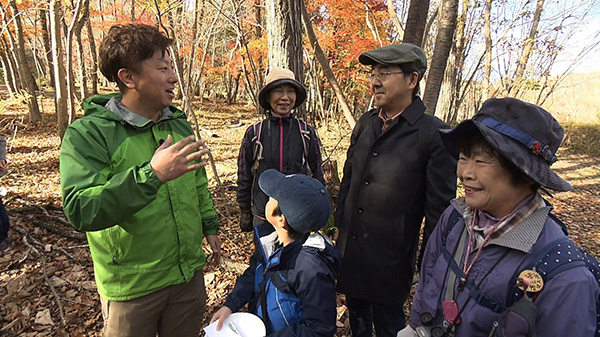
(280, 144)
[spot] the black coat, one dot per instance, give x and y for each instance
(283, 150)
(387, 189)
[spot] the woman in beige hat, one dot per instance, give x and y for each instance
(281, 141)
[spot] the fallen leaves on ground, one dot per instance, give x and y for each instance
(47, 283)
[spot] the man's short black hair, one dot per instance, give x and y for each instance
(408, 69)
(126, 46)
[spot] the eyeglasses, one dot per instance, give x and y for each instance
(381, 76)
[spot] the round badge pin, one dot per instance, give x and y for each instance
(530, 281)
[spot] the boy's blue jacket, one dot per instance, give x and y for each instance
(299, 283)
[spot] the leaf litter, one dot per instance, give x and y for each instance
(47, 276)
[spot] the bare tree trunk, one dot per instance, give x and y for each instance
(488, 49)
(10, 70)
(372, 25)
(8, 77)
(258, 31)
(85, 16)
(23, 67)
(60, 98)
(43, 15)
(415, 23)
(326, 68)
(83, 77)
(454, 71)
(132, 13)
(284, 30)
(527, 47)
(395, 20)
(77, 21)
(94, 57)
(443, 44)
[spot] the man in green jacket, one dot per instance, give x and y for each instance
(132, 178)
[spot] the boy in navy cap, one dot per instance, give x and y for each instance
(290, 283)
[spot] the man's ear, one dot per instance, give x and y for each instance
(127, 77)
(414, 80)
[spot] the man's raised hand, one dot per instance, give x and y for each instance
(171, 161)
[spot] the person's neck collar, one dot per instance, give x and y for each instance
(274, 115)
(137, 106)
(395, 110)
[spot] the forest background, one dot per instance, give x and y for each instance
(543, 51)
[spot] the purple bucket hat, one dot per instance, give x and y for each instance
(524, 133)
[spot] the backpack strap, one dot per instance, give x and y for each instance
(559, 256)
(257, 154)
(305, 136)
(474, 292)
(556, 257)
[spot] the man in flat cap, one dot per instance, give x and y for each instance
(397, 172)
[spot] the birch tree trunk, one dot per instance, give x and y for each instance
(443, 44)
(23, 67)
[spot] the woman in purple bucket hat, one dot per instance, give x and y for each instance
(498, 262)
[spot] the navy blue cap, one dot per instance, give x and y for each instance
(304, 201)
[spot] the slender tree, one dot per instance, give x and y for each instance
(395, 20)
(487, 71)
(415, 23)
(326, 68)
(527, 48)
(94, 65)
(45, 32)
(60, 77)
(441, 51)
(23, 67)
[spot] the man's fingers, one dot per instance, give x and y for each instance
(166, 143)
(196, 155)
(196, 166)
(182, 143)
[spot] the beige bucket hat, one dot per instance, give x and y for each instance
(277, 77)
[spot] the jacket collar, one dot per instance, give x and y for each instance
(283, 252)
(99, 106)
(277, 118)
(523, 235)
(414, 111)
(138, 121)
(411, 114)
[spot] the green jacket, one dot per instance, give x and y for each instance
(144, 235)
